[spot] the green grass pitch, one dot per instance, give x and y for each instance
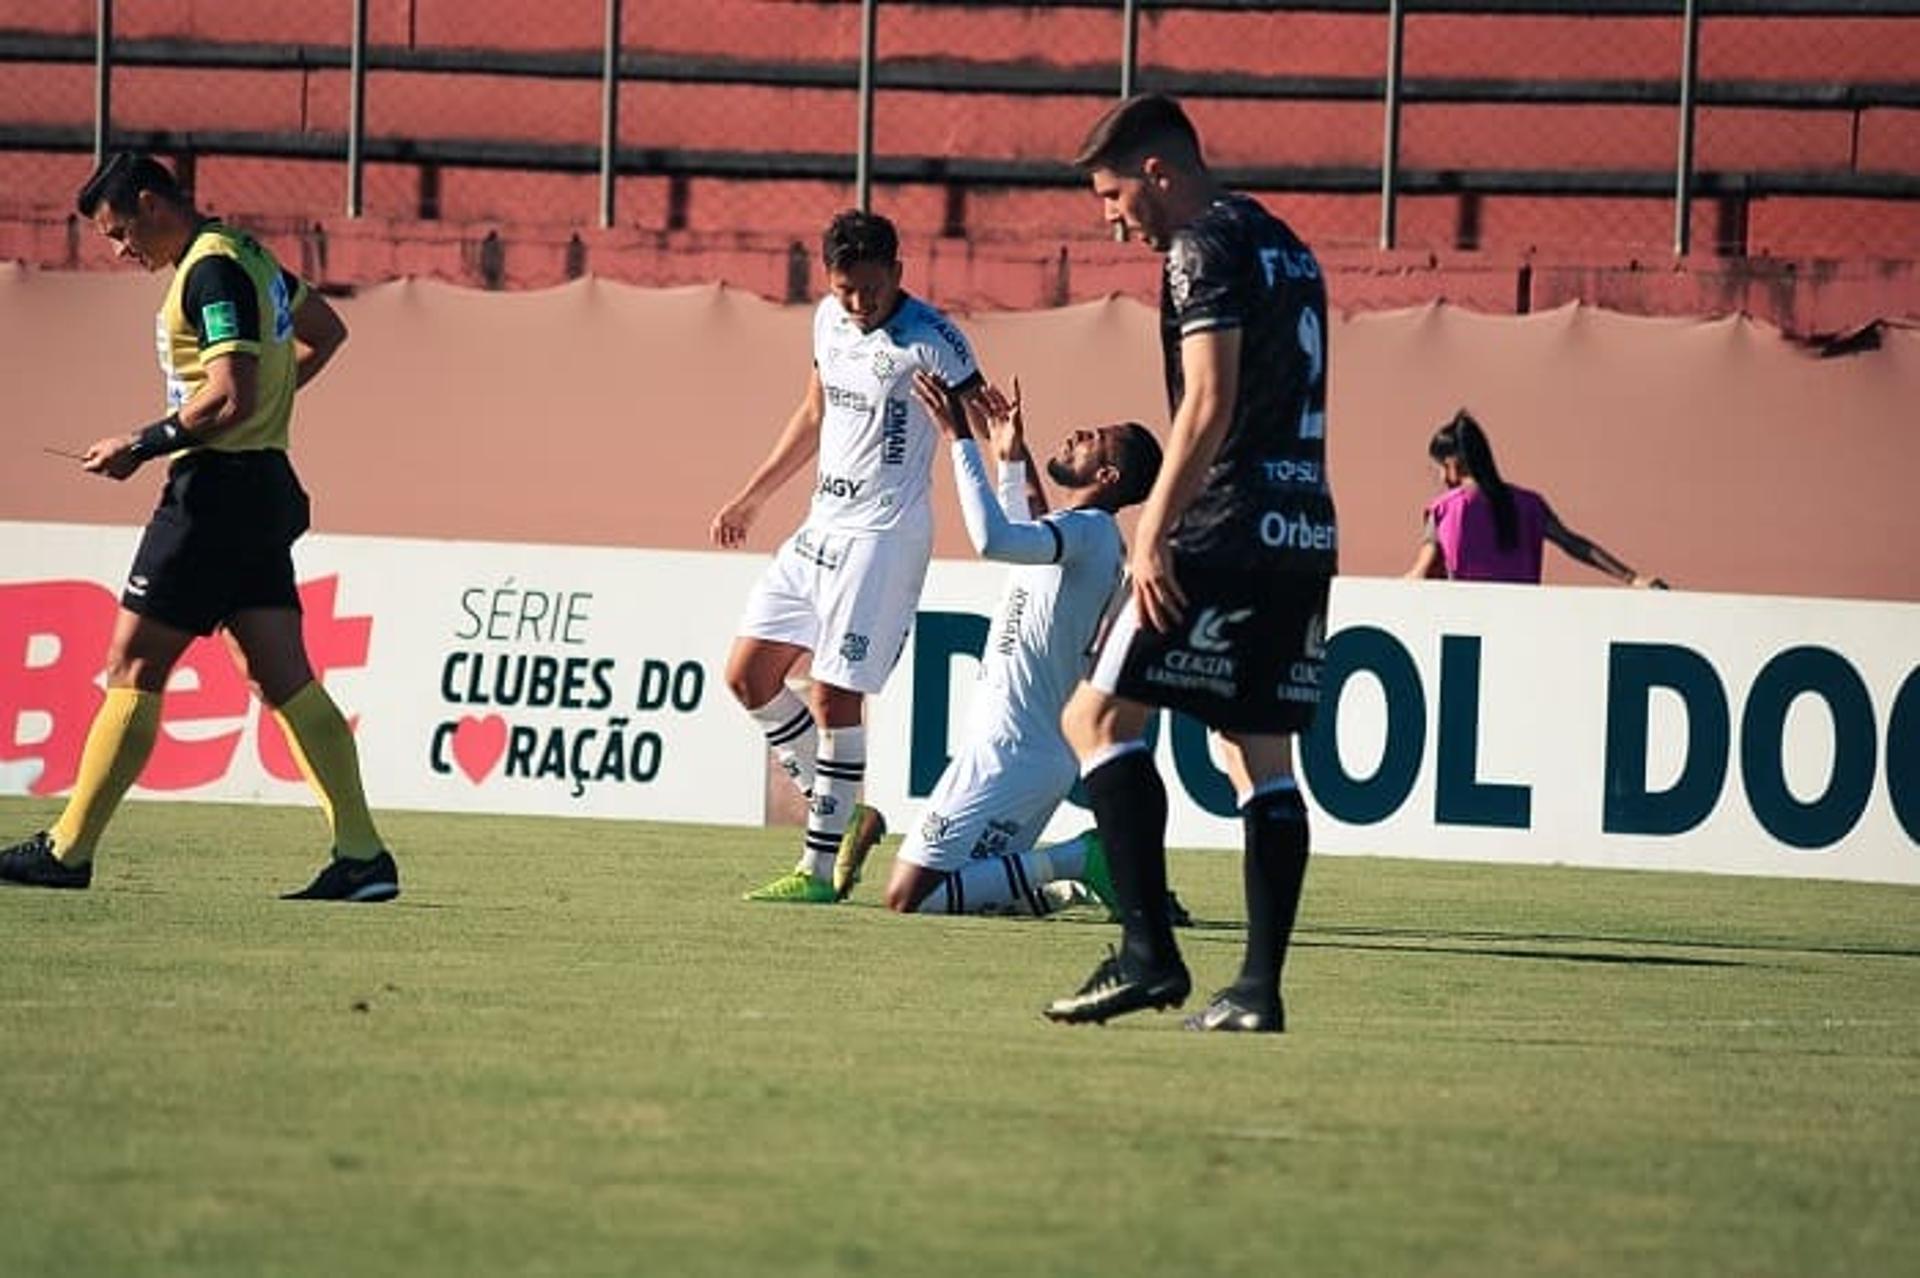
(570, 1049)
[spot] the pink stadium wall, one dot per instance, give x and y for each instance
(1716, 453)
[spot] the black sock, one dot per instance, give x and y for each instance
(1275, 865)
(1130, 805)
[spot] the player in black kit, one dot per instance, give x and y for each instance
(1230, 565)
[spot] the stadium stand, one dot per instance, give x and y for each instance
(1532, 132)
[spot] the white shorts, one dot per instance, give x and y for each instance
(848, 598)
(994, 799)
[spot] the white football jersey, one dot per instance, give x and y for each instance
(1043, 630)
(876, 441)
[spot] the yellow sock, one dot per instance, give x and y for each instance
(323, 747)
(117, 747)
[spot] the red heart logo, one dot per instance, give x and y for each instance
(478, 743)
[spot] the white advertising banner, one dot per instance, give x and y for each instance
(1607, 727)
(1591, 727)
(481, 677)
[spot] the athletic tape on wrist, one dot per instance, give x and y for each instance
(165, 436)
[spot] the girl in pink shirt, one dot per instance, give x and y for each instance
(1485, 529)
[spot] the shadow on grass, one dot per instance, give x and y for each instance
(1479, 943)
(1549, 956)
(1492, 944)
(1576, 938)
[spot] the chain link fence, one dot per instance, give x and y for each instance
(1493, 126)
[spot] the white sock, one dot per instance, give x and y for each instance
(1091, 763)
(788, 726)
(1070, 858)
(839, 772)
(1001, 884)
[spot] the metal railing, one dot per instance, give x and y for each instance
(870, 74)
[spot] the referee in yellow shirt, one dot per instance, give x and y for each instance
(236, 336)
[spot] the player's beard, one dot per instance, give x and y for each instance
(1063, 474)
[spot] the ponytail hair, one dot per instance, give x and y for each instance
(1463, 439)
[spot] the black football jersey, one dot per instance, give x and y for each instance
(1266, 496)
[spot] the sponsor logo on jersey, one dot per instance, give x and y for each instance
(1209, 631)
(1007, 640)
(849, 399)
(840, 486)
(817, 549)
(1302, 684)
(951, 336)
(893, 433)
(1292, 264)
(853, 648)
(1297, 533)
(1293, 472)
(1203, 665)
(1303, 681)
(993, 840)
(1180, 267)
(282, 310)
(1171, 674)
(220, 321)
(1213, 665)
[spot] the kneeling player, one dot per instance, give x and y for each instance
(973, 850)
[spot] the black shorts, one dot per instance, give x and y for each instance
(1246, 657)
(220, 541)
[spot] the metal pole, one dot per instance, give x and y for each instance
(1683, 177)
(356, 107)
(1390, 147)
(609, 112)
(863, 158)
(1129, 71)
(102, 78)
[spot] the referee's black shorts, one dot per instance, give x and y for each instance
(1245, 658)
(220, 541)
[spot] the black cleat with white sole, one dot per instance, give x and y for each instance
(1121, 985)
(31, 863)
(365, 882)
(1232, 1011)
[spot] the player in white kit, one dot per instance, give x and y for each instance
(843, 589)
(973, 850)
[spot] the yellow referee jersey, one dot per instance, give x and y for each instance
(228, 296)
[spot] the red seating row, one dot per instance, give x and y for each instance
(1034, 222)
(1545, 47)
(989, 127)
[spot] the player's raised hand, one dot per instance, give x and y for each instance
(729, 528)
(1157, 595)
(938, 401)
(994, 400)
(113, 457)
(1006, 423)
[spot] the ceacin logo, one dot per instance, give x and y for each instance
(1207, 636)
